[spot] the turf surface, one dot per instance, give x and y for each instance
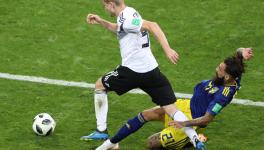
(51, 39)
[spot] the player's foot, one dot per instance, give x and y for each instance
(200, 145)
(108, 145)
(96, 135)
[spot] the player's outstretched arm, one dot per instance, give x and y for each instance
(154, 28)
(95, 19)
(201, 121)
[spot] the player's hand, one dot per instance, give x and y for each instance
(176, 124)
(93, 19)
(202, 138)
(172, 55)
(247, 53)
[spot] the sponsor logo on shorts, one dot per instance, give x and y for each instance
(110, 74)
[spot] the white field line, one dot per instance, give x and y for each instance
(88, 85)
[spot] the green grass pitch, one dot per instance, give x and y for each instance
(50, 38)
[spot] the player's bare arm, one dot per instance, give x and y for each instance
(201, 121)
(154, 28)
(95, 19)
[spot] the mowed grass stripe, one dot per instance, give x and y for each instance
(89, 85)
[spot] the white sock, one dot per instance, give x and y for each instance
(190, 132)
(107, 145)
(101, 109)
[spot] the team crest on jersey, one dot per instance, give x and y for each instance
(213, 90)
(136, 22)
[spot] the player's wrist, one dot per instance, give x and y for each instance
(167, 49)
(186, 124)
(100, 21)
(239, 53)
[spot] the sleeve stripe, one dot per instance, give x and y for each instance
(226, 91)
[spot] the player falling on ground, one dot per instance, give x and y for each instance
(139, 69)
(209, 98)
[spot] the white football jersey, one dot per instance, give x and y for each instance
(134, 44)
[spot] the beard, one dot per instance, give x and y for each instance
(217, 80)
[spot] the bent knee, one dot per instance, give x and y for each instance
(99, 85)
(152, 114)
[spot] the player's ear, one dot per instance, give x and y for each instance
(227, 77)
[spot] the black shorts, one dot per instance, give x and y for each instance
(154, 83)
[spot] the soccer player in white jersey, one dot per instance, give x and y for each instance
(139, 69)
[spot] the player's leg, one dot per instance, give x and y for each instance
(101, 106)
(158, 87)
(101, 109)
(133, 125)
(158, 94)
(171, 138)
(130, 127)
(137, 122)
(154, 114)
(120, 80)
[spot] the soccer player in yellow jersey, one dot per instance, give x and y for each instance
(209, 98)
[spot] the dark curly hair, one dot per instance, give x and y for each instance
(235, 65)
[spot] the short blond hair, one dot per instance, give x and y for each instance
(117, 2)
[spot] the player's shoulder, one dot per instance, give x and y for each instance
(130, 12)
(206, 82)
(227, 90)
